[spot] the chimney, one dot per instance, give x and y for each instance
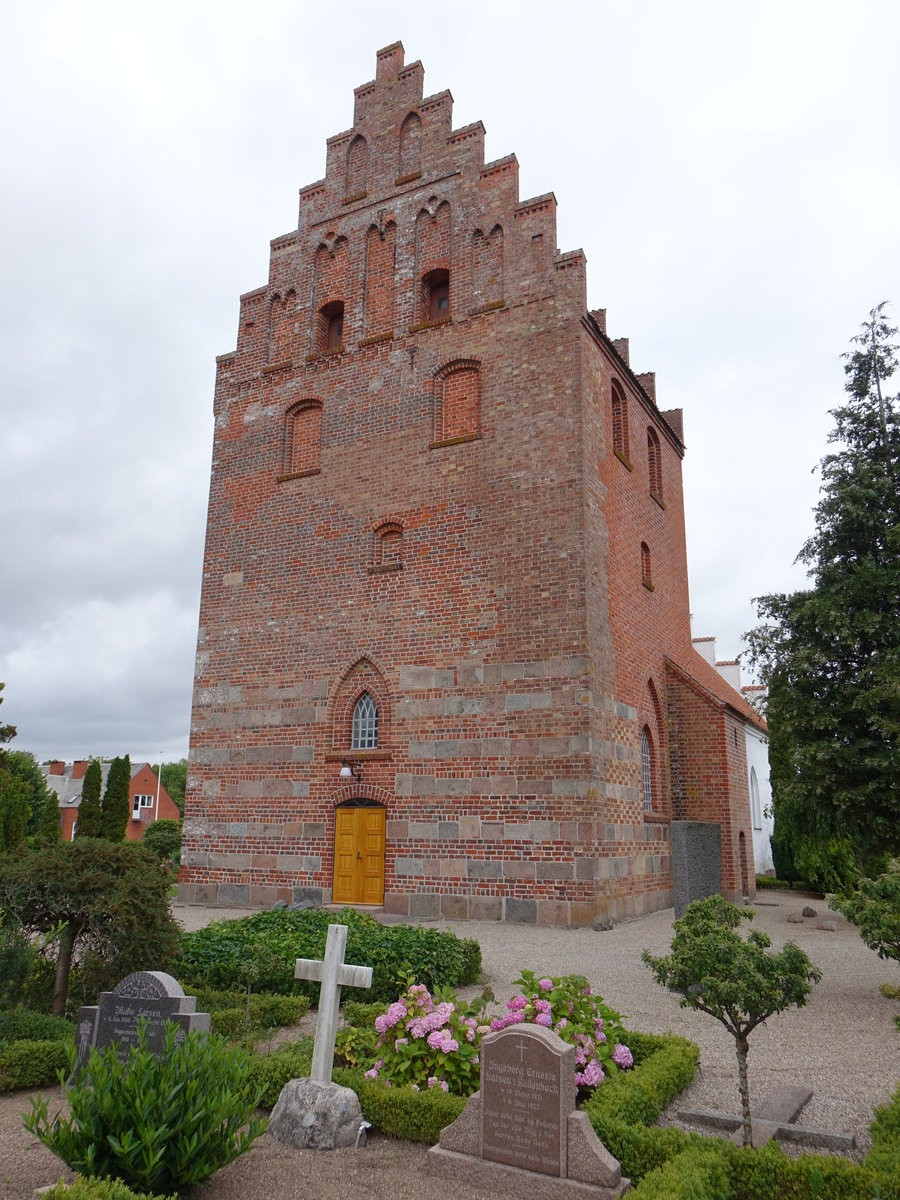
(79, 766)
(57, 768)
(706, 646)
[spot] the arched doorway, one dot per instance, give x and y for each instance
(359, 853)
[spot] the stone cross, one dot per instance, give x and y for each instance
(332, 974)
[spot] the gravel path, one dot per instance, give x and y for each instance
(843, 1045)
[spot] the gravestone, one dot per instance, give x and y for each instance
(521, 1132)
(315, 1113)
(696, 861)
(775, 1116)
(153, 995)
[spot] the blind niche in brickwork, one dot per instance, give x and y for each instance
(457, 402)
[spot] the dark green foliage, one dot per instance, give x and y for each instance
(885, 1130)
(111, 900)
(213, 956)
(15, 810)
(831, 653)
(160, 1123)
(268, 1073)
(89, 813)
(24, 1024)
(25, 769)
(164, 839)
(740, 983)
(96, 1189)
(16, 965)
(415, 1116)
(698, 1173)
(30, 1064)
(48, 829)
(266, 1012)
(115, 809)
(174, 780)
(874, 908)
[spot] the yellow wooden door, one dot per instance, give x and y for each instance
(358, 855)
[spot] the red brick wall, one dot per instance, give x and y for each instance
(510, 645)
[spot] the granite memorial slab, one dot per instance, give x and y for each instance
(151, 995)
(521, 1133)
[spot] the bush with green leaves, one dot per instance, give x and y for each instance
(216, 955)
(96, 1189)
(159, 1122)
(265, 1012)
(268, 1073)
(874, 908)
(25, 1024)
(567, 1005)
(164, 839)
(739, 982)
(427, 1041)
(32, 1063)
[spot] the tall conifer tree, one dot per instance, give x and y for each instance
(834, 649)
(88, 824)
(114, 817)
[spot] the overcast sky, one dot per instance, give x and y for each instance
(731, 172)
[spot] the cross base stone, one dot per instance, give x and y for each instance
(316, 1116)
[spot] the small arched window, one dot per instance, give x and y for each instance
(654, 464)
(647, 769)
(330, 328)
(365, 724)
(755, 806)
(411, 147)
(620, 424)
(435, 296)
(357, 168)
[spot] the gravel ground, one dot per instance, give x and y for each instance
(843, 1045)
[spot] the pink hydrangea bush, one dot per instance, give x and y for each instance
(567, 1005)
(427, 1041)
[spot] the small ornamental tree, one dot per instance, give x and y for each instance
(164, 839)
(738, 982)
(115, 810)
(88, 824)
(105, 907)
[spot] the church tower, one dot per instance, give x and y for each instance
(444, 663)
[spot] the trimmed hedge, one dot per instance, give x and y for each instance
(25, 1024)
(415, 1116)
(97, 1189)
(266, 1012)
(270, 1072)
(29, 1064)
(213, 956)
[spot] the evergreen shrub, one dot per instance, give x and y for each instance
(159, 1122)
(32, 1063)
(212, 957)
(25, 1024)
(268, 1073)
(96, 1189)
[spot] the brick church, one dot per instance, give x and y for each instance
(444, 662)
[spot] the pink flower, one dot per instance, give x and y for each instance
(562, 1023)
(543, 1006)
(432, 1081)
(517, 1003)
(372, 1074)
(543, 1019)
(445, 1085)
(546, 985)
(600, 1039)
(475, 1059)
(418, 1027)
(470, 1035)
(388, 1020)
(400, 1042)
(622, 1056)
(441, 1040)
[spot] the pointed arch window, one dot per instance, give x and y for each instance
(646, 567)
(365, 724)
(755, 806)
(647, 769)
(303, 438)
